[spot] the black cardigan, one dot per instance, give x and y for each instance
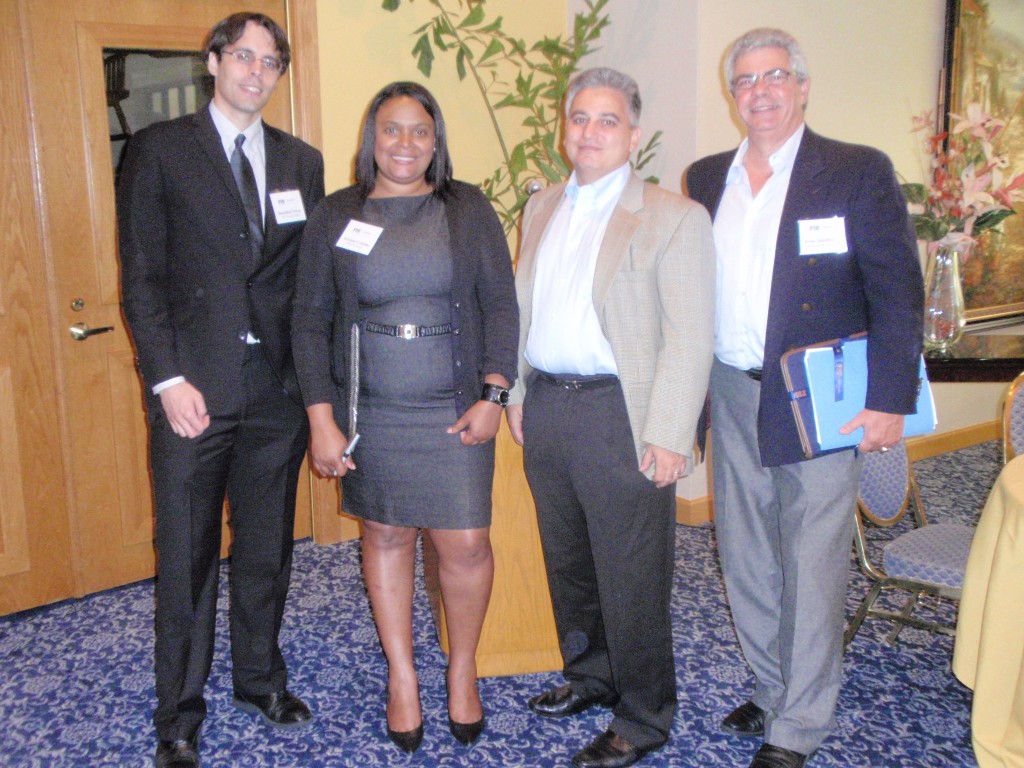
(484, 312)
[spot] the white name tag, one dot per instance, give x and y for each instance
(822, 236)
(288, 207)
(359, 237)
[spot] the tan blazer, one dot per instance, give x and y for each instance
(654, 289)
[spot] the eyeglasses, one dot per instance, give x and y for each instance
(769, 78)
(246, 56)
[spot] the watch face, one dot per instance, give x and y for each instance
(494, 394)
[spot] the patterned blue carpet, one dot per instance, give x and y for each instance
(77, 685)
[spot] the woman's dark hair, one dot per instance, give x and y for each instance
(439, 172)
(232, 28)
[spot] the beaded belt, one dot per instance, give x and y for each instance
(407, 331)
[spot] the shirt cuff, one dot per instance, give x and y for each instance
(158, 388)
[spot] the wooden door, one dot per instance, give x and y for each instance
(102, 451)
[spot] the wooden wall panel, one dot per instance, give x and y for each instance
(33, 513)
(14, 554)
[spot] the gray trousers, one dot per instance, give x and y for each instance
(784, 536)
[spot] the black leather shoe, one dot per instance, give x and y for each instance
(609, 750)
(563, 701)
(281, 709)
(746, 720)
(466, 733)
(182, 753)
(770, 756)
(407, 741)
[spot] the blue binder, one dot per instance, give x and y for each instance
(827, 385)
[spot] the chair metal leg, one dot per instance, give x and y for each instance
(899, 623)
(862, 612)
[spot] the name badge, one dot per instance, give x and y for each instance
(288, 207)
(822, 236)
(359, 237)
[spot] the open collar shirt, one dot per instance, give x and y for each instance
(565, 334)
(746, 229)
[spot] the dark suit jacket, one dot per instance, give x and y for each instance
(485, 317)
(191, 289)
(876, 286)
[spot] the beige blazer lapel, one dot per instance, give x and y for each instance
(617, 237)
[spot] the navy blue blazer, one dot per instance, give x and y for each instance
(190, 287)
(876, 286)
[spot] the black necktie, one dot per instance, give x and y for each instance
(246, 181)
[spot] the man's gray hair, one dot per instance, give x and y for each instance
(604, 77)
(766, 37)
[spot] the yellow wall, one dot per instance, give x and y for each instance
(363, 48)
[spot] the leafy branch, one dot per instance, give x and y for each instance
(511, 74)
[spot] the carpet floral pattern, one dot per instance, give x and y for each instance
(77, 687)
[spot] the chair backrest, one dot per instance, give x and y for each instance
(888, 487)
(1013, 420)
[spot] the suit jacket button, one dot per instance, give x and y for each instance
(805, 307)
(243, 235)
(812, 261)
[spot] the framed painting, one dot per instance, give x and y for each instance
(985, 64)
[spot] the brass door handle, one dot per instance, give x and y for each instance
(81, 331)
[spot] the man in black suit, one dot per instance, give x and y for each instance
(211, 207)
(813, 243)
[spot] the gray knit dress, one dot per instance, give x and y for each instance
(410, 472)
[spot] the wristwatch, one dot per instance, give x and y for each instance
(494, 393)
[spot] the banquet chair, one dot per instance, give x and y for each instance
(927, 559)
(1013, 420)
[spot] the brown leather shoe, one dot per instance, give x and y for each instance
(746, 720)
(564, 701)
(280, 710)
(609, 750)
(770, 756)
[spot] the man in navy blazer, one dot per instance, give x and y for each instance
(207, 287)
(813, 243)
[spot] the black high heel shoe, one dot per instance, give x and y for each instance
(466, 733)
(407, 741)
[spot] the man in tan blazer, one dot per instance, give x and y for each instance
(615, 285)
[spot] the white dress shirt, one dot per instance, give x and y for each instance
(253, 147)
(746, 230)
(565, 334)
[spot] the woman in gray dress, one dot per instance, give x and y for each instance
(419, 264)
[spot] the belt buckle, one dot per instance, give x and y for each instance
(406, 331)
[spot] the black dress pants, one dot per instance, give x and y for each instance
(609, 546)
(251, 452)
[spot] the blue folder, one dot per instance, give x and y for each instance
(827, 385)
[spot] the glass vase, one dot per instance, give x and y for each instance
(944, 314)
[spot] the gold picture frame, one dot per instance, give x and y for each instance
(985, 64)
